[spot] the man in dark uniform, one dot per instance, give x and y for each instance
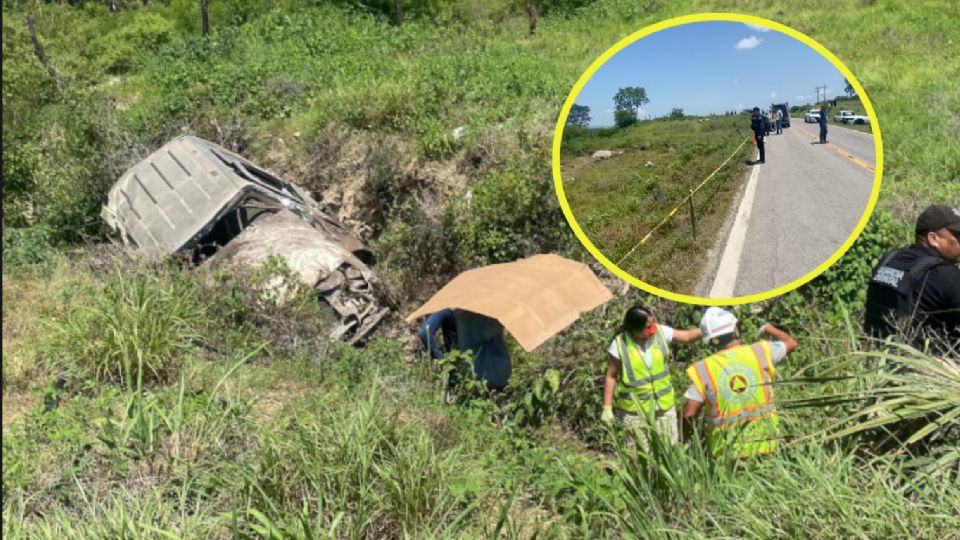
(758, 123)
(823, 123)
(915, 291)
(443, 322)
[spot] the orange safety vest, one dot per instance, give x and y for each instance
(739, 411)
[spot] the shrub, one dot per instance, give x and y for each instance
(123, 48)
(416, 251)
(511, 213)
(29, 248)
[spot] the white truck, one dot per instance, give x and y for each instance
(848, 117)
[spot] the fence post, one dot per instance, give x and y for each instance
(693, 217)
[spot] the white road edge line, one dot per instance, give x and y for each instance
(729, 267)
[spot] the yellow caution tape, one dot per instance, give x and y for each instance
(674, 211)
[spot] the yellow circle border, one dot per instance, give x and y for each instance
(711, 17)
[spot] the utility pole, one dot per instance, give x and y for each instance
(824, 88)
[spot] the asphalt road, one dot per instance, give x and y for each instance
(797, 209)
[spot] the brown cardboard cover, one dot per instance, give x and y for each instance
(533, 298)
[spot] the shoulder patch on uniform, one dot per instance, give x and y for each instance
(888, 276)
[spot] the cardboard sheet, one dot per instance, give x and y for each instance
(533, 298)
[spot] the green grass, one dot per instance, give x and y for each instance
(618, 201)
(253, 437)
(301, 438)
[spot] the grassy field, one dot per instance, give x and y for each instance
(618, 200)
(248, 424)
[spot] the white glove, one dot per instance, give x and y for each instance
(762, 332)
(607, 416)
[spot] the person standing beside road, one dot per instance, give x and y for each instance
(778, 118)
(757, 125)
(638, 372)
(915, 291)
(734, 387)
(823, 123)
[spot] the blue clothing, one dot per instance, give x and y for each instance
(823, 125)
(445, 321)
(484, 336)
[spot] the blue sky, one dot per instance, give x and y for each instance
(711, 67)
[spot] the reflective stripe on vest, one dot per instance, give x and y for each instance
(623, 346)
(743, 399)
(707, 383)
(647, 395)
(646, 380)
(642, 387)
(739, 416)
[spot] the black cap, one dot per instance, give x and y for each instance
(937, 217)
(756, 109)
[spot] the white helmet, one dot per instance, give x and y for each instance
(717, 322)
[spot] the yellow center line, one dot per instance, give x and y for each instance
(841, 152)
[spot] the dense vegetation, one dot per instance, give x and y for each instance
(187, 409)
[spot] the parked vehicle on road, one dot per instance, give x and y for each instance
(849, 117)
(812, 117)
(785, 109)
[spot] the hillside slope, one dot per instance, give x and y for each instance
(186, 409)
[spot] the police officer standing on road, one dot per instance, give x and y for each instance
(823, 123)
(758, 123)
(920, 285)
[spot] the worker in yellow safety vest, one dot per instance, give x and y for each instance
(637, 371)
(734, 387)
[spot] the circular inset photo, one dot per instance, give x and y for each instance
(717, 159)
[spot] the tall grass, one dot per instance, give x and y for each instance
(207, 463)
(906, 403)
(138, 330)
(820, 490)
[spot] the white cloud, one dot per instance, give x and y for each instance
(748, 43)
(773, 95)
(757, 27)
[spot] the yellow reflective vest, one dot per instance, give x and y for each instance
(739, 412)
(640, 388)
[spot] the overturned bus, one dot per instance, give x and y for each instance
(196, 198)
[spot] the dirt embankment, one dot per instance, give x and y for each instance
(364, 176)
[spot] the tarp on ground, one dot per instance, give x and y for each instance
(533, 298)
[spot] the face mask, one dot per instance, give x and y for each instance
(650, 331)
